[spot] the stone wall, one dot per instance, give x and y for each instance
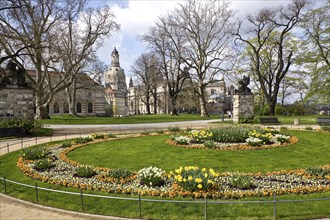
(243, 107)
(16, 103)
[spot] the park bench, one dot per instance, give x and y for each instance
(12, 132)
(323, 121)
(269, 120)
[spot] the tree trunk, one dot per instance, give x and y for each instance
(41, 108)
(174, 110)
(71, 94)
(202, 102)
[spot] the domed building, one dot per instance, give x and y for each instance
(115, 86)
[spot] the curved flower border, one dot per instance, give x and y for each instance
(235, 147)
(171, 188)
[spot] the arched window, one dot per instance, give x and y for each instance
(90, 107)
(78, 107)
(56, 108)
(65, 108)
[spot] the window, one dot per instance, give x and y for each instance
(65, 108)
(90, 107)
(56, 108)
(213, 91)
(79, 107)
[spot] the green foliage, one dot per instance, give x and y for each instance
(174, 129)
(119, 173)
(246, 120)
(160, 132)
(43, 164)
(280, 110)
(27, 125)
(98, 136)
(111, 136)
(66, 144)
(318, 171)
(209, 144)
(200, 136)
(192, 178)
(145, 133)
(151, 176)
(232, 134)
(242, 181)
(325, 128)
(83, 140)
(85, 171)
(34, 153)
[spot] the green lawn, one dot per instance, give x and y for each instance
(311, 150)
(136, 153)
(138, 119)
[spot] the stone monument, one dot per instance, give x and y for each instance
(16, 97)
(243, 100)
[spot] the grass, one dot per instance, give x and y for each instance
(136, 153)
(312, 149)
(138, 119)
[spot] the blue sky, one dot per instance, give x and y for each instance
(136, 16)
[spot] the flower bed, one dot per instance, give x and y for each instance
(189, 181)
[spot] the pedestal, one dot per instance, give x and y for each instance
(243, 107)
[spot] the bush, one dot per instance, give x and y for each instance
(43, 164)
(119, 173)
(85, 171)
(160, 132)
(309, 129)
(145, 133)
(209, 144)
(83, 140)
(193, 179)
(34, 153)
(151, 176)
(27, 125)
(242, 182)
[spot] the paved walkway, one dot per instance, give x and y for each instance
(15, 209)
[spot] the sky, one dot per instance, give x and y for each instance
(137, 16)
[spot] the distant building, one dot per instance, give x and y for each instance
(115, 86)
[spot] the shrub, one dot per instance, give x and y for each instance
(145, 133)
(119, 173)
(66, 144)
(182, 140)
(241, 182)
(308, 128)
(209, 144)
(27, 125)
(188, 130)
(174, 129)
(151, 176)
(85, 171)
(34, 153)
(98, 136)
(83, 140)
(193, 179)
(43, 164)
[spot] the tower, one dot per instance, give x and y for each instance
(115, 83)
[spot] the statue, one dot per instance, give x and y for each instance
(242, 86)
(14, 75)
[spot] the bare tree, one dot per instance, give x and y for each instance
(81, 33)
(207, 29)
(146, 69)
(271, 54)
(164, 40)
(34, 25)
